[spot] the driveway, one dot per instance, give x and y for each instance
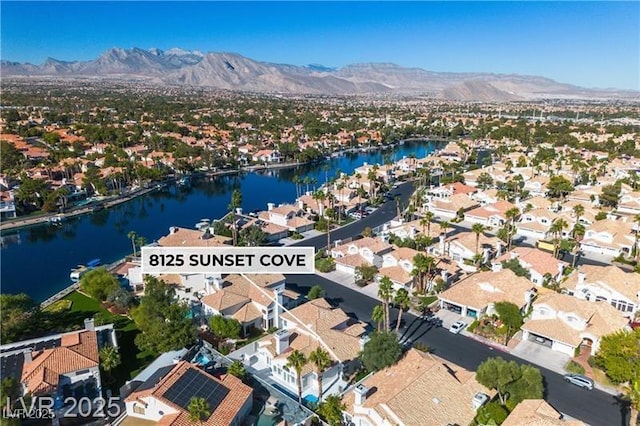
(541, 355)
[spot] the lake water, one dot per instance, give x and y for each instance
(37, 260)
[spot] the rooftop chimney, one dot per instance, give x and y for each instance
(173, 230)
(28, 355)
(270, 206)
(282, 340)
(360, 393)
(89, 324)
(581, 278)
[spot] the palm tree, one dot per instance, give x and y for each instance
(402, 300)
(477, 229)
(331, 410)
(199, 409)
(109, 359)
(444, 226)
(428, 217)
(132, 236)
(385, 292)
(321, 360)
(236, 368)
(236, 201)
(556, 228)
(340, 187)
(320, 196)
(512, 214)
(632, 392)
(377, 315)
(296, 181)
(297, 361)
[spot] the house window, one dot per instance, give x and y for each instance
(600, 298)
(138, 409)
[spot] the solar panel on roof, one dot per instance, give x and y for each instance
(193, 384)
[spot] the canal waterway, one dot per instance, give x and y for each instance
(37, 260)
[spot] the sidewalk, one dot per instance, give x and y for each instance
(347, 280)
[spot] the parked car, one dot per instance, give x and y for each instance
(356, 215)
(457, 327)
(579, 380)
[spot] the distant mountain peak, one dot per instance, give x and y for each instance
(233, 71)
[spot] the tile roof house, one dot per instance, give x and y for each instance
(290, 216)
(252, 305)
(461, 247)
(608, 284)
(492, 215)
(537, 412)
(629, 203)
(397, 265)
(450, 207)
(535, 223)
(539, 263)
(305, 328)
(421, 389)
(608, 237)
(566, 322)
(183, 237)
(365, 251)
(164, 397)
(475, 295)
(58, 365)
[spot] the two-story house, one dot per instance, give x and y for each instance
(397, 265)
(289, 216)
(608, 237)
(365, 251)
(541, 265)
(606, 284)
(305, 328)
(565, 323)
(462, 248)
(164, 397)
(491, 215)
(535, 223)
(629, 203)
(251, 300)
(449, 208)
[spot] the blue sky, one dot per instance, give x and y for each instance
(591, 44)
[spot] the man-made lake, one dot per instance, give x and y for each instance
(37, 260)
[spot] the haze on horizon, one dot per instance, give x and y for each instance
(589, 44)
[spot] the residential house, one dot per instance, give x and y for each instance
(397, 265)
(305, 328)
(452, 207)
(421, 389)
(365, 251)
(536, 223)
(608, 237)
(183, 237)
(491, 215)
(629, 203)
(292, 217)
(475, 295)
(448, 190)
(7, 205)
(461, 247)
(566, 323)
(538, 412)
(58, 365)
(165, 395)
(267, 156)
(250, 299)
(541, 265)
(537, 186)
(606, 284)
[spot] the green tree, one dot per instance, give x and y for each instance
(366, 273)
(331, 410)
(377, 316)
(619, 355)
(99, 283)
(18, 316)
(121, 298)
(236, 202)
(491, 414)
(162, 319)
(511, 380)
(199, 409)
(381, 351)
(510, 316)
(236, 368)
(315, 292)
(225, 328)
(631, 392)
(610, 195)
(109, 359)
(9, 391)
(515, 267)
(402, 300)
(559, 187)
(252, 236)
(297, 361)
(385, 292)
(321, 361)
(131, 235)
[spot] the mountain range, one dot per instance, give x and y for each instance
(235, 72)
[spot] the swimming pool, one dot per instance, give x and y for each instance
(201, 359)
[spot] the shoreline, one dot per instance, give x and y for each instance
(40, 219)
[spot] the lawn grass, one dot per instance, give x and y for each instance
(59, 306)
(132, 360)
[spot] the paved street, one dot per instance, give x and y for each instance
(593, 407)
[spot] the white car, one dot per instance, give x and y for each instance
(457, 327)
